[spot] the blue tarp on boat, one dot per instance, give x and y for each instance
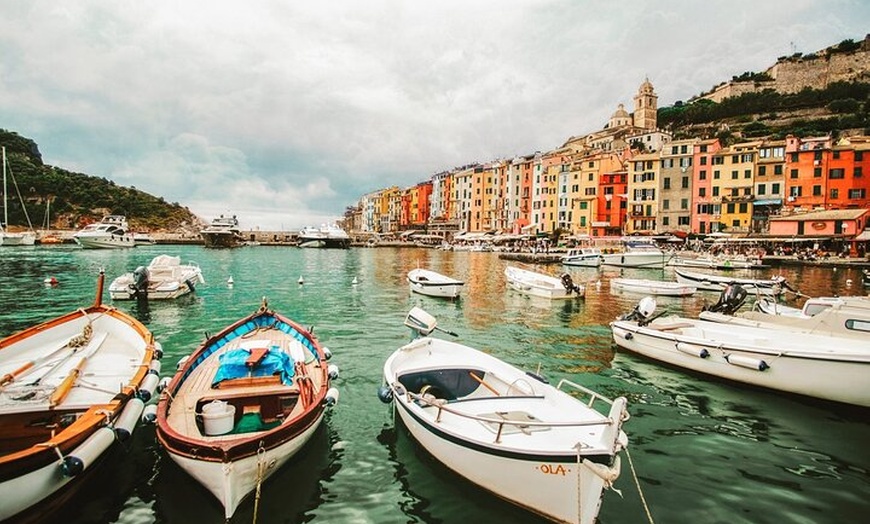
(276, 362)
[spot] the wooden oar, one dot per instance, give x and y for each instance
(475, 377)
(61, 391)
(32, 365)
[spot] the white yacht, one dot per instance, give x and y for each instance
(111, 232)
(222, 232)
(327, 235)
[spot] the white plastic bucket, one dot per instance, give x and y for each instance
(217, 417)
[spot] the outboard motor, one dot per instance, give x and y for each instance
(139, 287)
(642, 312)
(730, 300)
(569, 285)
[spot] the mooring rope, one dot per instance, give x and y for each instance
(261, 465)
(639, 490)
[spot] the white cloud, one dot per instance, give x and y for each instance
(284, 114)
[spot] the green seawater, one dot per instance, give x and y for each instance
(702, 450)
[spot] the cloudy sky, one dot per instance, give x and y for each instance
(284, 113)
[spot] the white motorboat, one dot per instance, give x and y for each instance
(717, 262)
(711, 282)
(164, 278)
(433, 284)
(582, 257)
(815, 365)
(111, 232)
(327, 236)
(7, 238)
(651, 287)
(639, 254)
(244, 403)
(510, 432)
(540, 285)
(833, 316)
(222, 232)
(69, 389)
(143, 239)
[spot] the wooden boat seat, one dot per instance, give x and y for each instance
(257, 356)
(669, 327)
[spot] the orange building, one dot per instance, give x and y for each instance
(702, 188)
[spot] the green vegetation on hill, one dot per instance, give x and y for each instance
(76, 198)
(840, 106)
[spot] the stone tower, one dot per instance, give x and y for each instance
(645, 106)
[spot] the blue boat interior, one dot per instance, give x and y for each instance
(447, 384)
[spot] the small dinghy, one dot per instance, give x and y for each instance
(651, 287)
(426, 282)
(540, 285)
(712, 282)
(164, 278)
(245, 402)
(69, 388)
(507, 431)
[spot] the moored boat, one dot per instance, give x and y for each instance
(427, 282)
(244, 402)
(717, 262)
(651, 287)
(814, 365)
(69, 388)
(222, 232)
(639, 254)
(327, 236)
(582, 257)
(712, 282)
(508, 431)
(164, 278)
(7, 238)
(109, 233)
(541, 285)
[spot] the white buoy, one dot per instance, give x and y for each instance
(50, 281)
(355, 281)
(848, 282)
(301, 280)
(230, 281)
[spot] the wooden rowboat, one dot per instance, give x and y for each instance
(69, 388)
(245, 402)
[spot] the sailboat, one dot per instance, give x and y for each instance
(45, 236)
(7, 238)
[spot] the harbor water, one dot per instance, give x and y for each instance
(701, 450)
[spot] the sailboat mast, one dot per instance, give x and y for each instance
(5, 210)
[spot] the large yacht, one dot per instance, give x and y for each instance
(327, 235)
(222, 232)
(110, 232)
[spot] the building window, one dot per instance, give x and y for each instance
(774, 189)
(685, 182)
(743, 207)
(794, 191)
(730, 208)
(704, 149)
(747, 173)
(735, 222)
(703, 161)
(716, 175)
(837, 173)
(793, 173)
(777, 169)
(859, 156)
(817, 172)
(702, 191)
(761, 189)
(762, 170)
(666, 204)
(836, 155)
(584, 205)
(835, 194)
(817, 190)
(715, 191)
(702, 175)
(684, 203)
(667, 183)
(794, 157)
(858, 172)
(857, 193)
(683, 221)
(734, 175)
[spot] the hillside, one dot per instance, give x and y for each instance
(826, 92)
(77, 198)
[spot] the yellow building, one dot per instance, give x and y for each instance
(643, 193)
(732, 186)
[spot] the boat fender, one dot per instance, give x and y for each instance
(126, 422)
(692, 349)
(607, 474)
(146, 389)
(158, 350)
(149, 414)
(539, 378)
(327, 353)
(385, 394)
(182, 362)
(332, 371)
(747, 362)
(331, 398)
(163, 384)
(85, 455)
(155, 366)
(629, 336)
